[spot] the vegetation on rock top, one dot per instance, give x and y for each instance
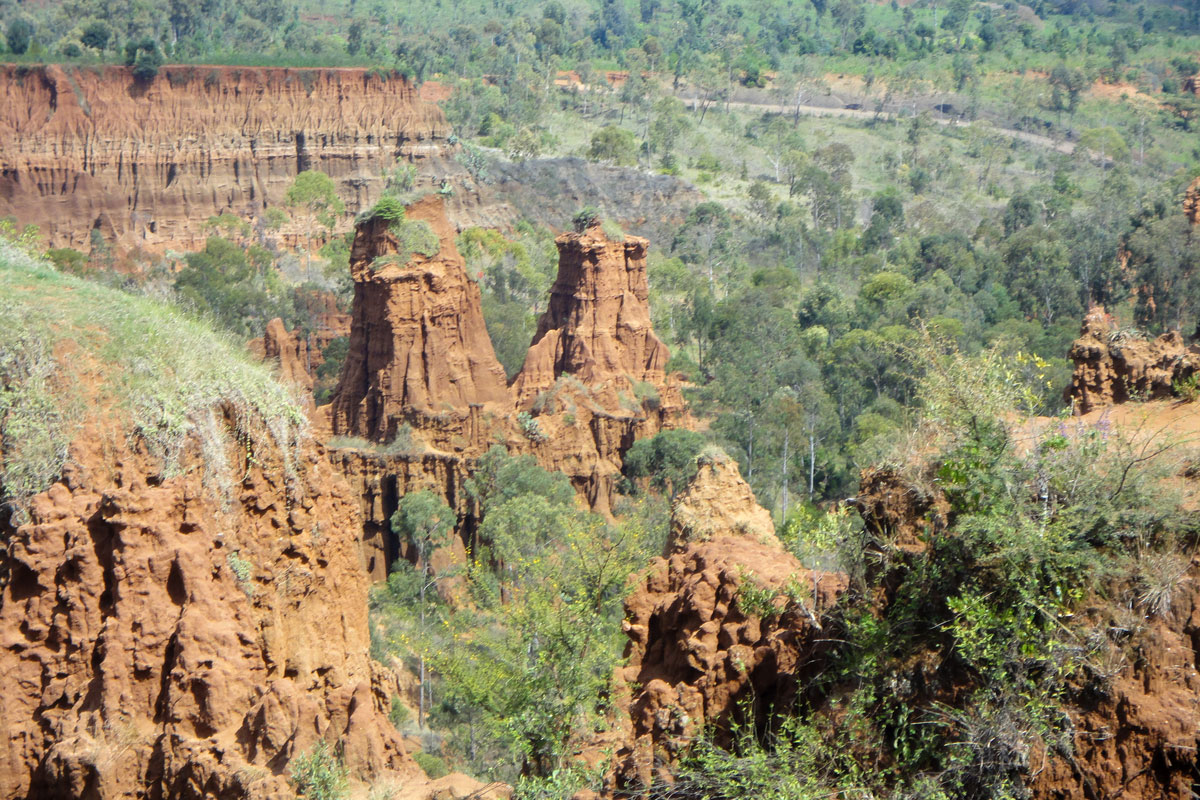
(73, 351)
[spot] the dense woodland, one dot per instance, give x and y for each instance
(1010, 166)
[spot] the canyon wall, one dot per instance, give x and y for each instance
(147, 163)
(1115, 366)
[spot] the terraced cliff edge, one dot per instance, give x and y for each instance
(147, 163)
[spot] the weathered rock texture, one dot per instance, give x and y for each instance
(898, 511)
(1140, 739)
(1114, 367)
(695, 652)
(594, 379)
(418, 343)
(290, 350)
(159, 642)
(146, 164)
(597, 327)
(423, 384)
(1191, 202)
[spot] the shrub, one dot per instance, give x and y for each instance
(612, 230)
(530, 427)
(1187, 389)
(433, 766)
(613, 145)
(144, 57)
(318, 773)
(667, 459)
(242, 570)
(416, 236)
(399, 714)
(586, 217)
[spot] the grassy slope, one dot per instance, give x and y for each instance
(72, 350)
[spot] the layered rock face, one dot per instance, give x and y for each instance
(597, 327)
(159, 641)
(418, 343)
(147, 163)
(421, 365)
(1111, 367)
(594, 379)
(695, 652)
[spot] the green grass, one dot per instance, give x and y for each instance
(73, 351)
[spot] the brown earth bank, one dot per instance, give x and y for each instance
(160, 640)
(423, 393)
(160, 643)
(147, 163)
(695, 653)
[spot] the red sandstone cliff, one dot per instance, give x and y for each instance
(148, 164)
(291, 352)
(1112, 366)
(158, 642)
(597, 327)
(1191, 202)
(418, 343)
(593, 381)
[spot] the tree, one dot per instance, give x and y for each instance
(425, 523)
(1105, 143)
(19, 35)
(96, 35)
(668, 123)
(144, 57)
(315, 193)
(667, 460)
(778, 142)
(241, 294)
(613, 145)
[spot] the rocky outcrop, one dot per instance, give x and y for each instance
(1191, 202)
(147, 163)
(697, 649)
(597, 327)
(421, 367)
(290, 350)
(1114, 366)
(594, 379)
(419, 348)
(718, 502)
(159, 641)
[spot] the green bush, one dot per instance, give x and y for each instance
(144, 57)
(433, 766)
(585, 218)
(318, 773)
(667, 460)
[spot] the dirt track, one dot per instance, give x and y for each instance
(855, 113)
